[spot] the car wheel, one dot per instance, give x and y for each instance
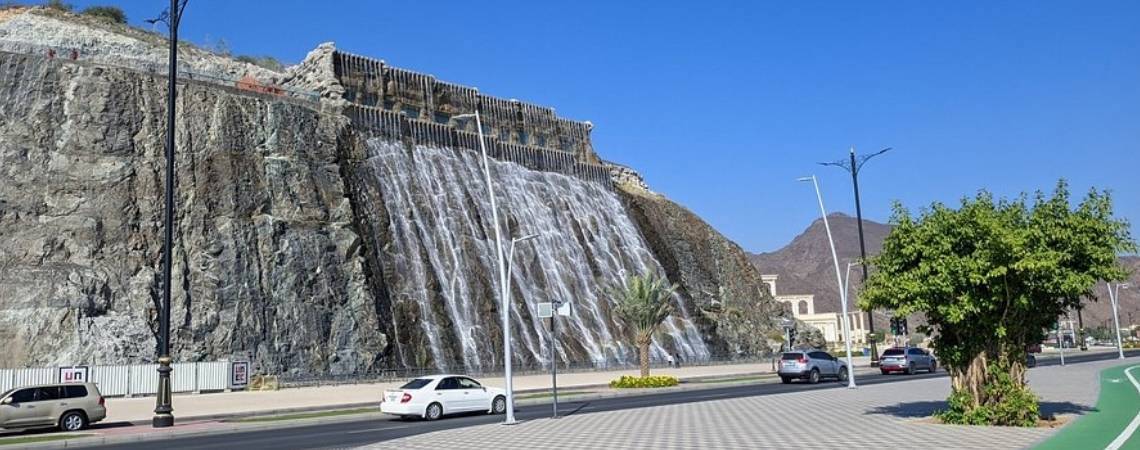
(910, 369)
(933, 367)
(842, 374)
(73, 421)
(813, 377)
(885, 372)
(499, 405)
(785, 380)
(434, 411)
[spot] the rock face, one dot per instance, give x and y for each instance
(266, 257)
(713, 273)
(287, 246)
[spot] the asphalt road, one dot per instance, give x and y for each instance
(362, 431)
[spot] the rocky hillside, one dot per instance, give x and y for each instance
(805, 265)
(272, 260)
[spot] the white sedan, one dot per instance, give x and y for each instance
(432, 397)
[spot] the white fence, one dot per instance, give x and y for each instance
(128, 380)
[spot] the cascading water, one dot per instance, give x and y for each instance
(441, 269)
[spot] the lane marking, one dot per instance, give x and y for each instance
(1131, 428)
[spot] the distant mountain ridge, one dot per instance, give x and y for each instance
(805, 267)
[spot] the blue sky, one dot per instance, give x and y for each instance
(722, 105)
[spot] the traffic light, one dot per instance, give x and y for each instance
(894, 326)
(903, 326)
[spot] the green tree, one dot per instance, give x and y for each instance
(109, 13)
(643, 304)
(991, 277)
(59, 5)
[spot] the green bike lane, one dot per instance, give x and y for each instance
(1113, 423)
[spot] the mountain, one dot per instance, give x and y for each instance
(805, 265)
(331, 218)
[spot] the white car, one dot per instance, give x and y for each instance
(433, 397)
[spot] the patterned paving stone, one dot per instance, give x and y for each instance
(871, 417)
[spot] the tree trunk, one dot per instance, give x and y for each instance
(643, 353)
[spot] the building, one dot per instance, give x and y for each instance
(803, 309)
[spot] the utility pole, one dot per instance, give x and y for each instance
(163, 410)
(853, 166)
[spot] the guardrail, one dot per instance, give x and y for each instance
(129, 380)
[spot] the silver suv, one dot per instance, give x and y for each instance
(71, 407)
(907, 360)
(810, 365)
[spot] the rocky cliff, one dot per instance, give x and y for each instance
(281, 252)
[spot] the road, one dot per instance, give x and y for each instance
(361, 431)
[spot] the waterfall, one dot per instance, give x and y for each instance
(440, 268)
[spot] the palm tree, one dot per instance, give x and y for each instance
(643, 303)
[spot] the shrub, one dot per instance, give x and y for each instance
(109, 13)
(59, 5)
(843, 354)
(1012, 403)
(266, 62)
(655, 381)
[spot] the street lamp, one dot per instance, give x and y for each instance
(847, 327)
(853, 166)
(511, 256)
(504, 284)
(838, 276)
(1114, 297)
(163, 410)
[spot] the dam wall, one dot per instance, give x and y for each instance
(395, 103)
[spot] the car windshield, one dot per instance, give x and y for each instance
(893, 352)
(416, 383)
(5, 394)
(791, 356)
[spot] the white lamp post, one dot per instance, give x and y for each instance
(838, 276)
(1114, 297)
(847, 327)
(503, 275)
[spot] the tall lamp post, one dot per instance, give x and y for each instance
(854, 165)
(1114, 296)
(504, 280)
(838, 276)
(846, 327)
(163, 411)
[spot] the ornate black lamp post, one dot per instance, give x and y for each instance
(853, 166)
(163, 411)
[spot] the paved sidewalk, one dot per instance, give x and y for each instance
(141, 409)
(871, 417)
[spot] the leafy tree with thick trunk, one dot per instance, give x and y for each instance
(643, 304)
(991, 277)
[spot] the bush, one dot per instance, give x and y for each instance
(266, 62)
(109, 13)
(59, 5)
(843, 354)
(1016, 405)
(655, 381)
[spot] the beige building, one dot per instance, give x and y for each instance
(803, 309)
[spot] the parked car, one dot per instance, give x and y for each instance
(810, 365)
(1030, 360)
(435, 396)
(907, 360)
(71, 407)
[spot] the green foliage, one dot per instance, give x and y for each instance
(109, 13)
(267, 62)
(843, 353)
(59, 5)
(876, 336)
(644, 303)
(656, 381)
(991, 276)
(1008, 403)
